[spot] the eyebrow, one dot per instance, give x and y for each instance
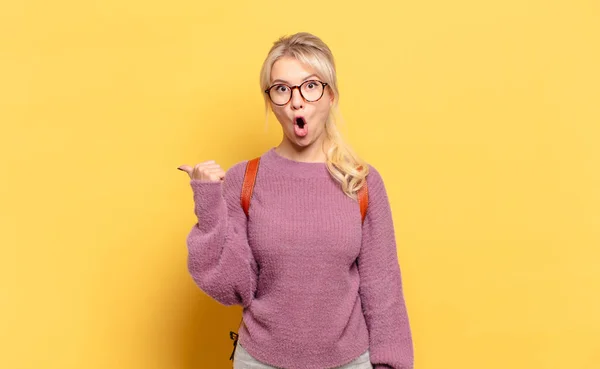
(286, 82)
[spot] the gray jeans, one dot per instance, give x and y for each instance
(243, 360)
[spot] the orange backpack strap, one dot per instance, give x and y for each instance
(363, 200)
(248, 184)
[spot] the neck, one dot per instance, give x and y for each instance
(314, 153)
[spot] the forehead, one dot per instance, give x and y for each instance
(291, 70)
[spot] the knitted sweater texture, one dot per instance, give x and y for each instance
(318, 287)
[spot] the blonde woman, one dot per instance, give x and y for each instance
(320, 286)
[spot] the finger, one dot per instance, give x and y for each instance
(216, 170)
(204, 165)
(186, 168)
(217, 176)
(202, 173)
(219, 173)
(211, 166)
(208, 171)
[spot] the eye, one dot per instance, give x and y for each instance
(281, 88)
(311, 85)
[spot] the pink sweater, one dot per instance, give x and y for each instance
(318, 288)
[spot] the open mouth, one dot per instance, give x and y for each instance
(300, 127)
(300, 122)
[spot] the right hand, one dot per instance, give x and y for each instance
(206, 171)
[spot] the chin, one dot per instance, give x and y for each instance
(303, 142)
(300, 142)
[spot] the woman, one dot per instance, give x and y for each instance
(320, 287)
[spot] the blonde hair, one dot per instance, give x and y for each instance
(342, 163)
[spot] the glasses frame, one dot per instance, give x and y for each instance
(268, 91)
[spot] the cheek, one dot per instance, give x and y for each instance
(279, 113)
(323, 110)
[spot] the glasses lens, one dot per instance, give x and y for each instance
(312, 90)
(280, 94)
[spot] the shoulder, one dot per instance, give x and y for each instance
(237, 170)
(378, 196)
(234, 176)
(374, 178)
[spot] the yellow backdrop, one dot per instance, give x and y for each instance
(483, 118)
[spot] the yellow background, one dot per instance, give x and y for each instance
(483, 118)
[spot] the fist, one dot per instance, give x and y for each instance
(206, 171)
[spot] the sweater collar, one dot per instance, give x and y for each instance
(288, 167)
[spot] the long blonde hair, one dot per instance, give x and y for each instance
(343, 164)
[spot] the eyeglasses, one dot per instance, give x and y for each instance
(311, 91)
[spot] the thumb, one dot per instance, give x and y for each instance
(186, 168)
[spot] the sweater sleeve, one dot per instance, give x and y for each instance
(390, 339)
(219, 257)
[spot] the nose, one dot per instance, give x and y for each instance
(297, 100)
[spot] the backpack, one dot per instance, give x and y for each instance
(246, 196)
